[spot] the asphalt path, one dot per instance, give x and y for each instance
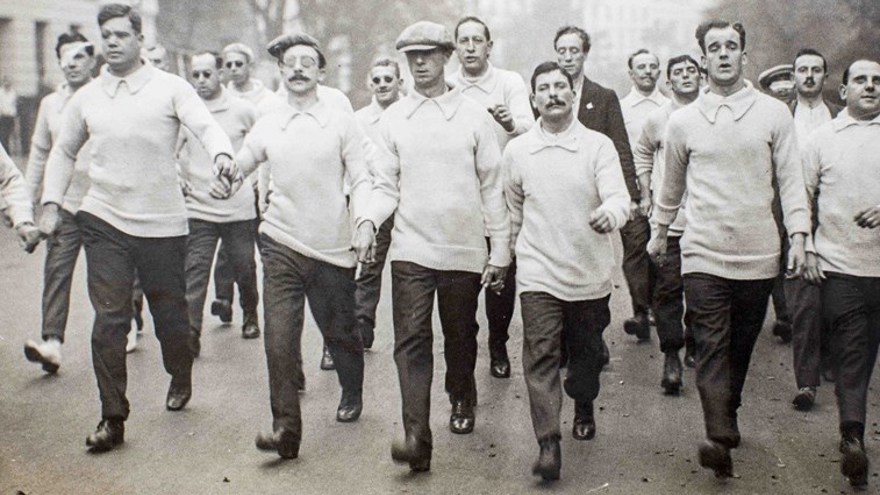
(646, 442)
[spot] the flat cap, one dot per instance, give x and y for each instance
(240, 48)
(784, 72)
(279, 45)
(424, 35)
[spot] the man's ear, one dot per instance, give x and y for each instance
(321, 74)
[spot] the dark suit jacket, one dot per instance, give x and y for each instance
(599, 110)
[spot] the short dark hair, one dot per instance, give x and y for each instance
(848, 67)
(472, 18)
(545, 67)
(679, 59)
(640, 51)
(114, 10)
(67, 38)
(386, 62)
(810, 51)
(585, 38)
(218, 59)
(704, 28)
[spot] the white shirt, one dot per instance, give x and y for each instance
(807, 119)
(636, 107)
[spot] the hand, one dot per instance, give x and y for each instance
(634, 210)
(646, 205)
(185, 187)
(364, 242)
(50, 219)
(657, 247)
(29, 236)
(502, 115)
(812, 272)
(601, 221)
(869, 218)
(493, 278)
(224, 165)
(796, 257)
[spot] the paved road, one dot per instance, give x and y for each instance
(646, 442)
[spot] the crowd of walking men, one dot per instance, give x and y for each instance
(149, 173)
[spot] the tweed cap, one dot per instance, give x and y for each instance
(279, 45)
(424, 35)
(240, 48)
(784, 72)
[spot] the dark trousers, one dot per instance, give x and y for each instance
(224, 270)
(62, 250)
(238, 237)
(779, 295)
(369, 285)
(412, 290)
(809, 340)
(545, 320)
(668, 300)
(726, 317)
(112, 257)
(636, 263)
(7, 124)
(851, 309)
(289, 278)
(499, 311)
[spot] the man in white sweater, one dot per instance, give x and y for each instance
(233, 219)
(842, 176)
(439, 169)
(504, 95)
(76, 56)
(133, 216)
(311, 148)
(16, 202)
(565, 260)
(683, 74)
(727, 146)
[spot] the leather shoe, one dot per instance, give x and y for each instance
(283, 441)
(549, 460)
(671, 381)
(715, 456)
(250, 329)
(350, 407)
(805, 398)
(690, 359)
(178, 396)
(854, 463)
(327, 363)
(638, 325)
(109, 434)
(584, 424)
(499, 364)
(782, 329)
(222, 309)
(462, 419)
(411, 451)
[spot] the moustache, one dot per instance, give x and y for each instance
(555, 102)
(297, 78)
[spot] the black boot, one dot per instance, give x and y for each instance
(854, 461)
(549, 460)
(584, 425)
(671, 381)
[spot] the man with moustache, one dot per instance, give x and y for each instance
(308, 247)
(727, 146)
(683, 76)
(843, 183)
(133, 216)
(233, 219)
(438, 172)
(643, 98)
(76, 56)
(598, 108)
(503, 93)
(565, 261)
(809, 339)
(158, 56)
(385, 83)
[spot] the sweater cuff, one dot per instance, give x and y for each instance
(665, 215)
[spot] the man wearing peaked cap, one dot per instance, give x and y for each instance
(778, 81)
(445, 193)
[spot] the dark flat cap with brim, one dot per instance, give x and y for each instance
(784, 72)
(279, 45)
(424, 35)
